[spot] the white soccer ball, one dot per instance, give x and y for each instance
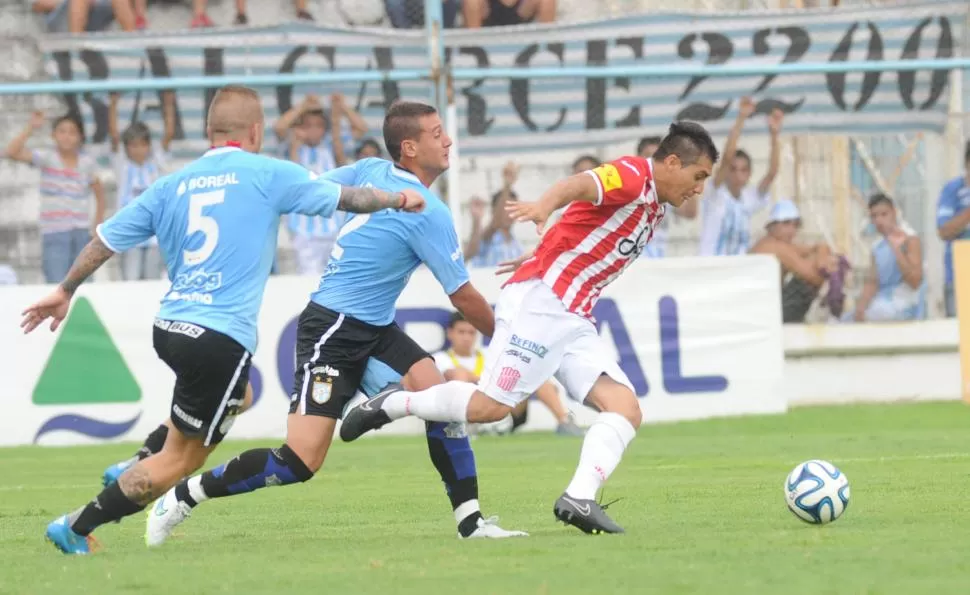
(817, 492)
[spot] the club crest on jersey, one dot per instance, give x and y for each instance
(322, 387)
(609, 177)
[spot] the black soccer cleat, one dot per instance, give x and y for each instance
(368, 415)
(586, 515)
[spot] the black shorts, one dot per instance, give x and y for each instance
(211, 374)
(331, 355)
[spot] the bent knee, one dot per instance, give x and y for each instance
(610, 396)
(483, 409)
(304, 459)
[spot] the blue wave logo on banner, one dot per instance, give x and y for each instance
(87, 426)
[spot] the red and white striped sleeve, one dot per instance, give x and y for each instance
(620, 182)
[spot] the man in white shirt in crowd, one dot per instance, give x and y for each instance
(729, 200)
(464, 361)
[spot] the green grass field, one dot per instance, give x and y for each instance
(702, 504)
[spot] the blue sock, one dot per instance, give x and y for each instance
(251, 470)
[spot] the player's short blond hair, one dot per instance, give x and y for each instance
(233, 111)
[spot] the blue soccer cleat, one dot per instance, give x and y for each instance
(60, 534)
(112, 473)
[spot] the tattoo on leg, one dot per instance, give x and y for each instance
(137, 486)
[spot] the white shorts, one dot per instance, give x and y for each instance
(535, 339)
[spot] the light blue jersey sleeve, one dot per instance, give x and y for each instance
(948, 203)
(298, 190)
(345, 176)
(436, 244)
(135, 223)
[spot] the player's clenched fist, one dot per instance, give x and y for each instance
(411, 201)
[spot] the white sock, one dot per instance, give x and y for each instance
(602, 450)
(443, 402)
(195, 489)
(466, 509)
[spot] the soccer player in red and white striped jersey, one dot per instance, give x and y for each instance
(543, 318)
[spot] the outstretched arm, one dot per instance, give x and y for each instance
(89, 260)
(474, 308)
(58, 302)
(355, 199)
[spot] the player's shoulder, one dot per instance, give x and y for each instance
(436, 212)
(632, 164)
(372, 163)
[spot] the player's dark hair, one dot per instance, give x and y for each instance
(73, 119)
(455, 318)
(880, 198)
(688, 141)
(136, 131)
(966, 154)
(402, 122)
(646, 142)
(743, 155)
(596, 162)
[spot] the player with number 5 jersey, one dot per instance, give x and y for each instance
(543, 318)
(216, 222)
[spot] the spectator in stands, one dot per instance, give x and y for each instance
(140, 8)
(408, 14)
(368, 147)
(200, 18)
(648, 146)
(79, 16)
(68, 183)
(953, 223)
(303, 129)
(493, 244)
(138, 163)
(585, 162)
(729, 201)
(463, 361)
(500, 13)
(804, 268)
(893, 289)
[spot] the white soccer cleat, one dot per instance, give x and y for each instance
(166, 514)
(489, 529)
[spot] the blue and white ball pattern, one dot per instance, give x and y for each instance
(817, 492)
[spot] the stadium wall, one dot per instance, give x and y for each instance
(697, 337)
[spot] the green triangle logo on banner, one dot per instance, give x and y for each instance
(85, 365)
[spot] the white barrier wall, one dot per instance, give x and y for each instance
(697, 337)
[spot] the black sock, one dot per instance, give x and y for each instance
(254, 469)
(154, 443)
(182, 493)
(469, 524)
(110, 505)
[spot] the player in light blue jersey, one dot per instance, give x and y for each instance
(348, 329)
(216, 223)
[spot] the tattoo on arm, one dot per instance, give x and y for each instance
(137, 485)
(89, 260)
(367, 200)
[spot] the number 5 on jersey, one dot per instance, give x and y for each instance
(207, 225)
